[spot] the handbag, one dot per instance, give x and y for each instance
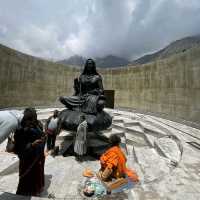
(10, 147)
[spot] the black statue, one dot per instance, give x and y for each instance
(88, 100)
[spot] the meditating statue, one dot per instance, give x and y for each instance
(88, 100)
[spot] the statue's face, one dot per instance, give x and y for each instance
(90, 65)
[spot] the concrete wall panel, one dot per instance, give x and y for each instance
(170, 86)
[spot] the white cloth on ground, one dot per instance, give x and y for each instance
(80, 145)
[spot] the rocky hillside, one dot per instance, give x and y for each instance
(173, 48)
(74, 60)
(104, 62)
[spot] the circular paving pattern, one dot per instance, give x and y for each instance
(160, 151)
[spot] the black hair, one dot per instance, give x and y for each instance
(85, 70)
(29, 118)
(114, 140)
(55, 113)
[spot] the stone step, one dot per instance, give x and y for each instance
(118, 125)
(135, 136)
(155, 126)
(136, 130)
(150, 139)
(151, 163)
(132, 123)
(116, 131)
(120, 120)
(134, 140)
(122, 125)
(128, 120)
(153, 130)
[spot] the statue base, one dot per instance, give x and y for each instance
(70, 120)
(97, 142)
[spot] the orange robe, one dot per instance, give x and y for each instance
(115, 159)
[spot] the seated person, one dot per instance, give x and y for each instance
(113, 163)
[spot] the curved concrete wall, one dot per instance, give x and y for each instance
(27, 81)
(170, 86)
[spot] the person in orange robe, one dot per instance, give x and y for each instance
(113, 163)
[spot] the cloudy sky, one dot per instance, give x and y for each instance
(57, 29)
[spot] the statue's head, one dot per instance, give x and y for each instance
(90, 67)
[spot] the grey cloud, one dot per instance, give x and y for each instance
(127, 28)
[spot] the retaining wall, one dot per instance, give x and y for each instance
(170, 86)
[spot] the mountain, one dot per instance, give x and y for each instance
(104, 62)
(74, 60)
(111, 61)
(176, 47)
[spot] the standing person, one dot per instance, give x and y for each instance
(9, 122)
(29, 146)
(51, 130)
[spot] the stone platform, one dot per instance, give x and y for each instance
(160, 150)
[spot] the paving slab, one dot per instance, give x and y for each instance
(152, 165)
(159, 179)
(169, 148)
(6, 160)
(150, 139)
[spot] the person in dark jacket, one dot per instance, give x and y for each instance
(29, 146)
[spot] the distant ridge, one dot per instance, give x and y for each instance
(175, 47)
(74, 60)
(5, 50)
(112, 61)
(104, 62)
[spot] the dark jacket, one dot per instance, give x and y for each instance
(24, 137)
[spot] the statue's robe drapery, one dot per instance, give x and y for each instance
(89, 101)
(90, 91)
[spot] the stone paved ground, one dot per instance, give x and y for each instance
(169, 167)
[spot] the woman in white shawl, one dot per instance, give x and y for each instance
(9, 122)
